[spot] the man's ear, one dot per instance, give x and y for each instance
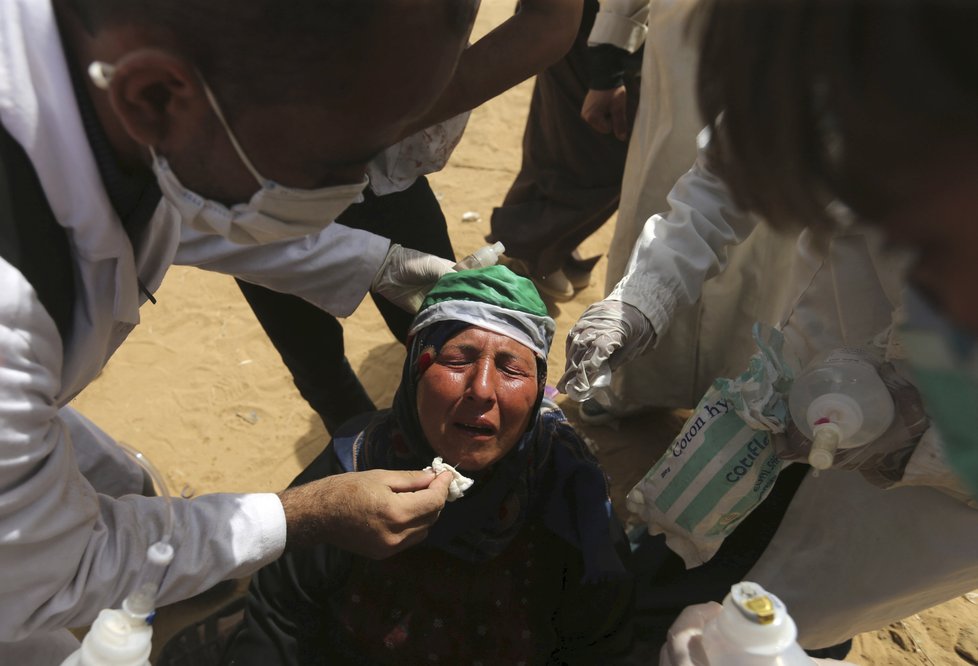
(158, 97)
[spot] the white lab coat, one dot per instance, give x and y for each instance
(620, 23)
(663, 140)
(848, 556)
(702, 273)
(710, 335)
(69, 543)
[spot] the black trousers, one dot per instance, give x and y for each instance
(570, 178)
(310, 341)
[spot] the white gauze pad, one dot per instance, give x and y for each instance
(459, 483)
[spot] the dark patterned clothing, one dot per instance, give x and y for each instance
(426, 606)
(526, 568)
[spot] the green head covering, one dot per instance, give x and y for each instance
(494, 298)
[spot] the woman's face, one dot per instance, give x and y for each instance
(474, 402)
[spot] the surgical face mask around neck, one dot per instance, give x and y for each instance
(944, 362)
(274, 213)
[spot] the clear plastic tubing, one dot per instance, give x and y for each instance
(140, 605)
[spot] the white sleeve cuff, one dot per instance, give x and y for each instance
(652, 295)
(267, 542)
(625, 32)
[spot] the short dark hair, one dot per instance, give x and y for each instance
(244, 47)
(811, 101)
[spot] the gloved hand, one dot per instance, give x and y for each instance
(608, 334)
(407, 275)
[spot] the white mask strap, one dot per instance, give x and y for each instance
(101, 74)
(234, 141)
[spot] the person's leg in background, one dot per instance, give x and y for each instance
(310, 341)
(569, 181)
(412, 218)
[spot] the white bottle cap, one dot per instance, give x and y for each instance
(487, 255)
(827, 438)
(837, 408)
(114, 641)
(756, 621)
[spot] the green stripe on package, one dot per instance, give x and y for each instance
(722, 464)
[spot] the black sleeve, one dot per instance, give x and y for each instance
(286, 609)
(593, 621)
(31, 238)
(287, 599)
(606, 66)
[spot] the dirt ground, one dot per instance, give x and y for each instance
(200, 390)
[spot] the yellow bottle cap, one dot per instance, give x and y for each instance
(762, 608)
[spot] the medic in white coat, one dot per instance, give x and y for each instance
(848, 557)
(70, 542)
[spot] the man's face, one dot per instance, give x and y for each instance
(476, 399)
(404, 64)
(940, 225)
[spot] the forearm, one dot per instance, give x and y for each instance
(679, 250)
(69, 552)
(538, 35)
(606, 66)
(332, 269)
(619, 31)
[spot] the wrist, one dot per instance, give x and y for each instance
(381, 272)
(307, 514)
(606, 67)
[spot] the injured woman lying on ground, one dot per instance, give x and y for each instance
(526, 567)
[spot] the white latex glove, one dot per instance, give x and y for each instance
(608, 334)
(407, 275)
(683, 640)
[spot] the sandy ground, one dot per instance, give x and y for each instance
(201, 391)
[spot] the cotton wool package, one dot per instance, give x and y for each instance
(722, 464)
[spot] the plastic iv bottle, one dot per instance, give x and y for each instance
(487, 255)
(123, 637)
(840, 402)
(113, 640)
(753, 629)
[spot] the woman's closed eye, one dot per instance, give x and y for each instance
(512, 368)
(505, 363)
(456, 360)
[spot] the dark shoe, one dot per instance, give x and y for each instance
(840, 651)
(592, 413)
(578, 270)
(556, 286)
